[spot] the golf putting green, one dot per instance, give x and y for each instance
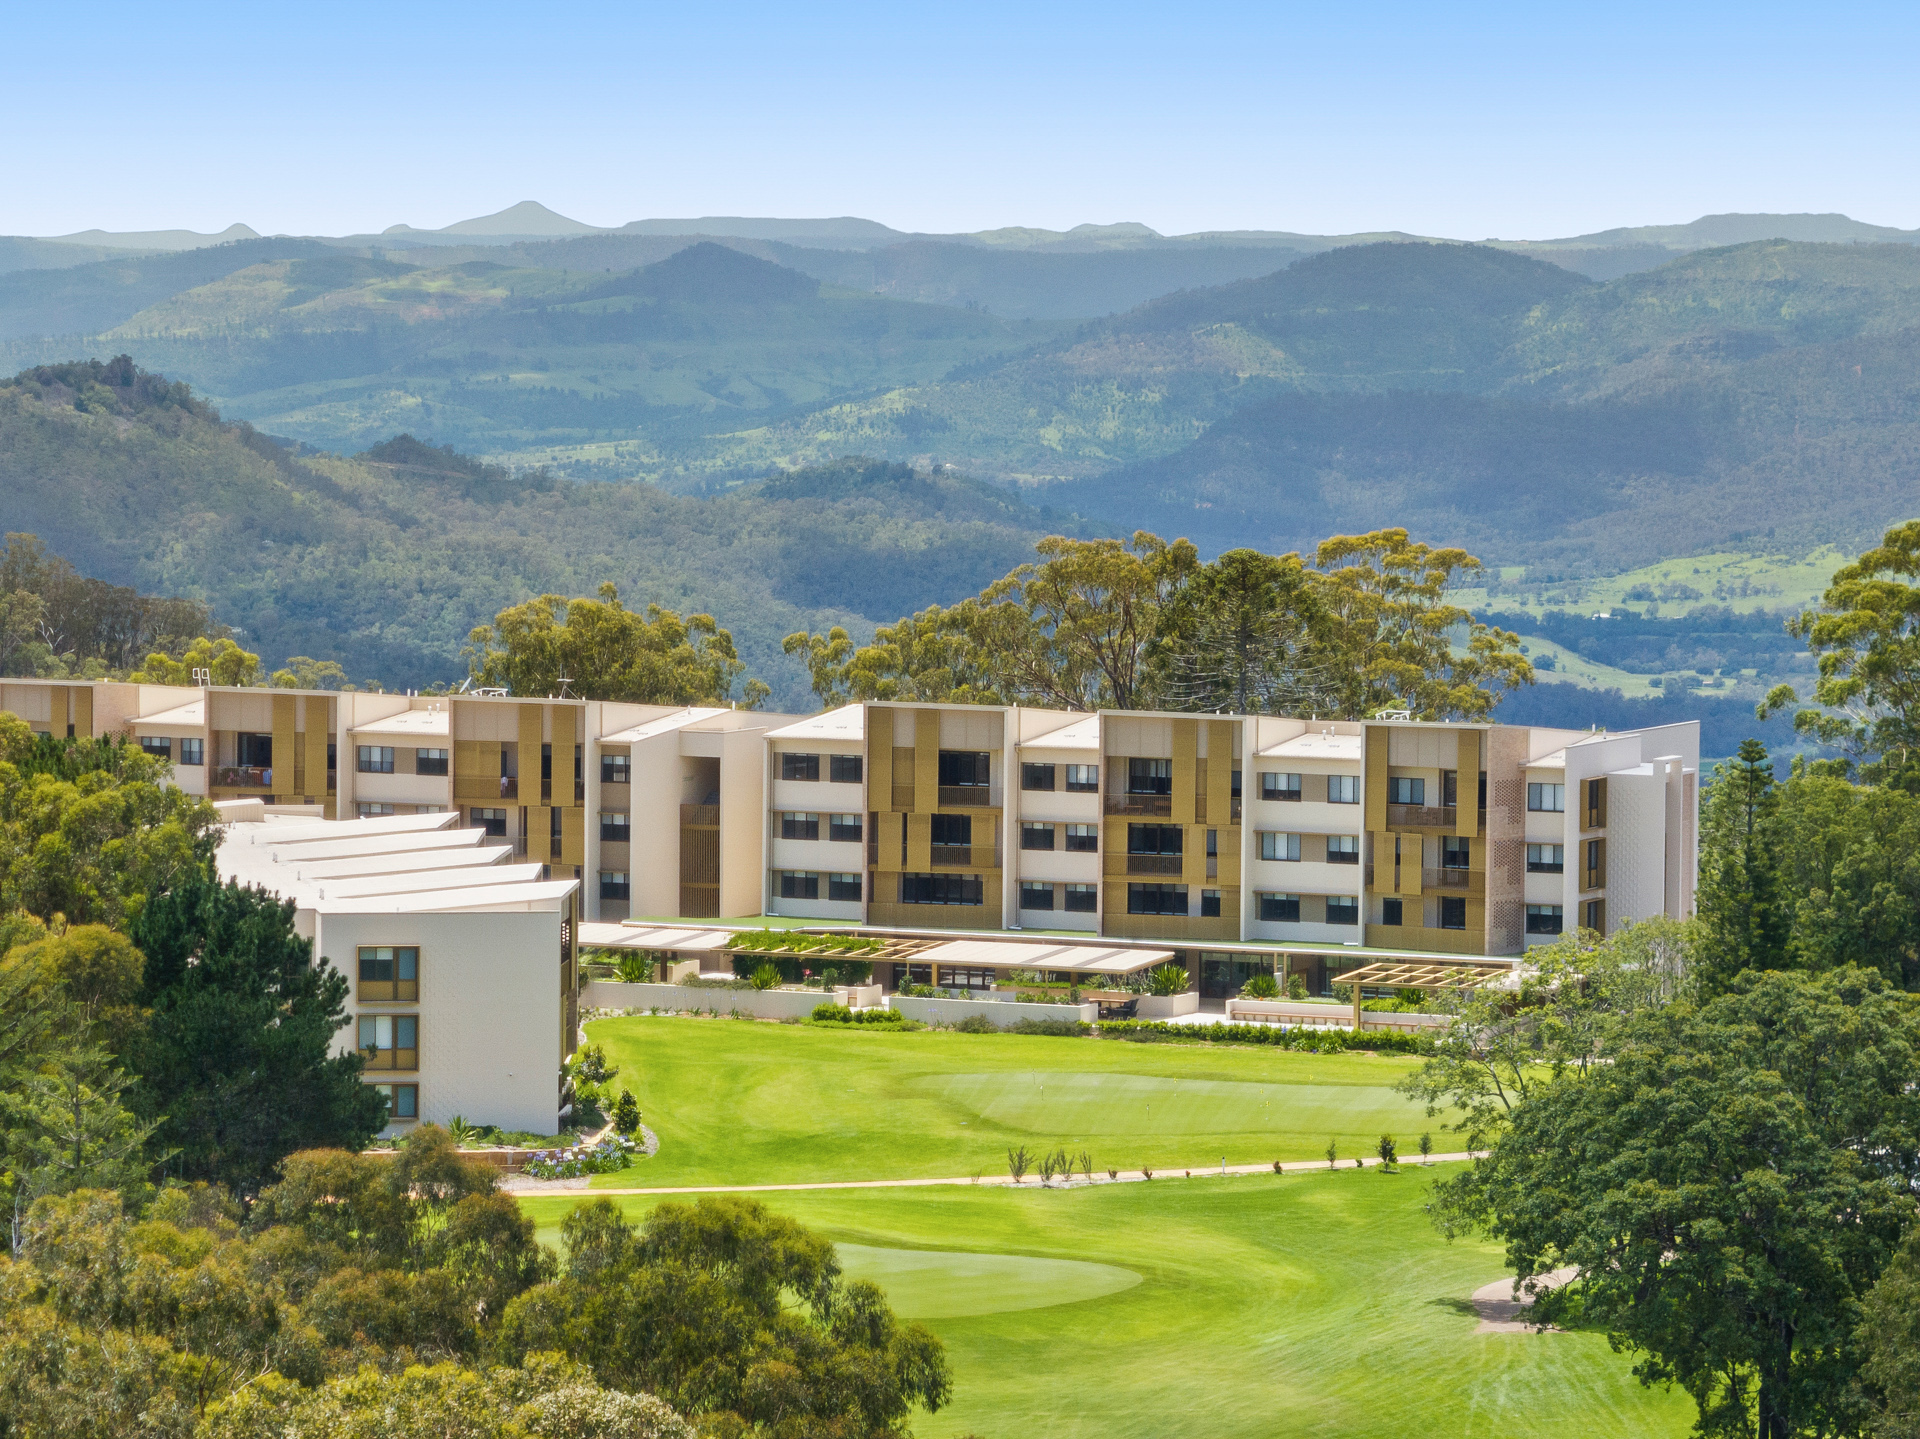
(941, 1284)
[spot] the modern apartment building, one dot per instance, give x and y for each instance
(1221, 829)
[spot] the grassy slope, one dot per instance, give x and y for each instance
(737, 1102)
(1319, 1303)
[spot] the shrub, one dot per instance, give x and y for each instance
(1261, 986)
(920, 991)
(1312, 1041)
(880, 1016)
(1296, 987)
(1389, 1152)
(635, 967)
(975, 1024)
(1019, 1161)
(1052, 1026)
(626, 1112)
(766, 976)
(831, 1013)
(1168, 979)
(607, 1157)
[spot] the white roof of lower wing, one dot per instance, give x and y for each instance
(660, 936)
(376, 844)
(425, 723)
(849, 722)
(188, 714)
(1081, 734)
(298, 831)
(664, 725)
(375, 864)
(504, 898)
(1017, 954)
(480, 876)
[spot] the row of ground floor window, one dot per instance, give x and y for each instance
(1215, 975)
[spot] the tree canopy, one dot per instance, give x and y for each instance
(599, 649)
(1143, 624)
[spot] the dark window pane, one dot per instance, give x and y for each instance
(800, 766)
(953, 829)
(844, 768)
(1036, 776)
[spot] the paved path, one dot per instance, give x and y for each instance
(1502, 1311)
(1125, 1176)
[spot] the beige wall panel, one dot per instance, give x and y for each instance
(532, 734)
(573, 835)
(83, 711)
(879, 755)
(1378, 740)
(926, 761)
(1186, 769)
(919, 843)
(1466, 761)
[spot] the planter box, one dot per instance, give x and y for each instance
(1289, 1012)
(1001, 1013)
(686, 999)
(1167, 1006)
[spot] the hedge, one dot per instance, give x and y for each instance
(1321, 1041)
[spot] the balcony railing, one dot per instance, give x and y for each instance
(966, 796)
(387, 991)
(1463, 881)
(1146, 806)
(965, 856)
(1422, 816)
(394, 1059)
(1155, 863)
(243, 776)
(703, 815)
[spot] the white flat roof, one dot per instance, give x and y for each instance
(504, 898)
(414, 722)
(1081, 734)
(465, 857)
(395, 844)
(432, 881)
(195, 714)
(664, 725)
(1317, 746)
(295, 831)
(653, 936)
(1007, 953)
(849, 722)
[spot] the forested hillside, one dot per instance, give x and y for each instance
(386, 560)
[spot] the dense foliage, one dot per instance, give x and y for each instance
(56, 622)
(1102, 624)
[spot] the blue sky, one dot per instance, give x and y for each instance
(1493, 120)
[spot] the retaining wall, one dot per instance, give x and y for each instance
(690, 999)
(1002, 1014)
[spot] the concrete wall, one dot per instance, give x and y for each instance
(489, 1007)
(690, 999)
(1002, 1014)
(1167, 1006)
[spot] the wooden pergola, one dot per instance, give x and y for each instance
(1424, 973)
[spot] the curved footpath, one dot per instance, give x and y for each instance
(1126, 1176)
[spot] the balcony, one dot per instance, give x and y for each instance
(966, 796)
(1421, 816)
(243, 776)
(391, 1059)
(1456, 881)
(965, 856)
(700, 816)
(1160, 864)
(1143, 806)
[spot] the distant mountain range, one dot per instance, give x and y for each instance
(1602, 255)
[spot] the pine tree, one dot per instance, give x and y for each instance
(626, 1112)
(1744, 916)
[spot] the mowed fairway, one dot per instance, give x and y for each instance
(1319, 1304)
(736, 1102)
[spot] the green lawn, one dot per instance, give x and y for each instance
(743, 1103)
(1320, 1304)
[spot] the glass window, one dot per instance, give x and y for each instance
(615, 826)
(1343, 849)
(376, 759)
(1035, 896)
(1083, 779)
(1083, 838)
(388, 972)
(1546, 859)
(403, 1100)
(493, 821)
(1082, 898)
(965, 769)
(941, 889)
(194, 751)
(1279, 846)
(1406, 789)
(799, 826)
(1593, 915)
(1210, 904)
(369, 810)
(1453, 912)
(1157, 899)
(844, 887)
(1234, 789)
(1342, 909)
(1543, 918)
(1449, 788)
(615, 884)
(1456, 853)
(429, 761)
(1343, 789)
(1274, 785)
(389, 1031)
(844, 768)
(158, 745)
(1390, 911)
(1156, 839)
(616, 769)
(1150, 776)
(1036, 836)
(845, 828)
(800, 766)
(952, 829)
(1547, 799)
(1036, 776)
(1281, 908)
(798, 884)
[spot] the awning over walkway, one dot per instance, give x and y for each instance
(1015, 954)
(665, 936)
(1426, 973)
